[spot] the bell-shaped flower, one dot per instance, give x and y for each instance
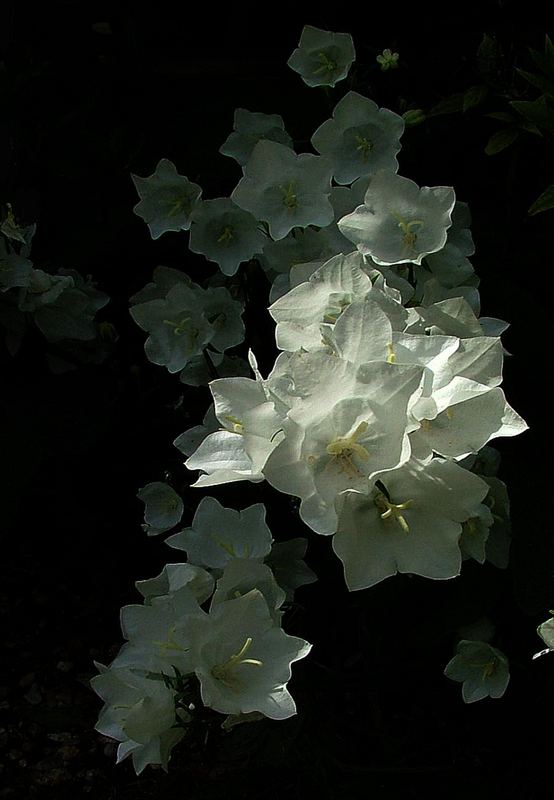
(243, 658)
(173, 577)
(177, 326)
(286, 560)
(42, 289)
(219, 534)
(138, 712)
(225, 233)
(333, 445)
(399, 222)
(301, 312)
(410, 522)
(460, 418)
(163, 507)
(155, 633)
(360, 139)
(224, 315)
(482, 670)
(285, 190)
(250, 427)
(166, 199)
(322, 57)
(241, 575)
(248, 128)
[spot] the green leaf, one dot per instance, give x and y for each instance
(501, 140)
(530, 127)
(544, 202)
(489, 58)
(504, 116)
(414, 116)
(544, 61)
(450, 105)
(474, 96)
(536, 111)
(539, 81)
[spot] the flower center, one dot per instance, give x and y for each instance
(393, 511)
(170, 643)
(225, 672)
(364, 146)
(344, 448)
(181, 204)
(227, 235)
(409, 236)
(327, 64)
(290, 200)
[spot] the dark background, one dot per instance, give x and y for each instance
(91, 92)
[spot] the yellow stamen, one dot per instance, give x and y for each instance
(391, 356)
(344, 448)
(223, 672)
(170, 643)
(178, 327)
(364, 145)
(290, 200)
(393, 510)
(227, 235)
(224, 545)
(238, 425)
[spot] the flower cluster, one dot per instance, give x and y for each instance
(61, 305)
(208, 634)
(366, 417)
(377, 413)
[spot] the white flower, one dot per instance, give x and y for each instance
(163, 507)
(139, 713)
(482, 669)
(241, 575)
(243, 659)
(219, 534)
(167, 199)
(360, 139)
(285, 190)
(173, 577)
(301, 312)
(411, 522)
(399, 222)
(155, 633)
(248, 128)
(177, 326)
(461, 418)
(225, 233)
(250, 424)
(322, 58)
